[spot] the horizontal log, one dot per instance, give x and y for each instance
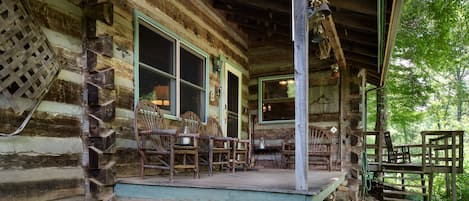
(188, 26)
(41, 183)
(55, 19)
(124, 98)
(41, 145)
(65, 92)
(22, 161)
(208, 14)
(42, 124)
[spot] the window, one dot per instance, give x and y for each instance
(276, 99)
(171, 74)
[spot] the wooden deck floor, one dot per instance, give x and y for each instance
(270, 183)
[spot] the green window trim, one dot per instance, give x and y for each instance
(260, 98)
(140, 18)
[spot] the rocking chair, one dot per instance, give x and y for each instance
(155, 144)
(187, 143)
(215, 149)
(394, 156)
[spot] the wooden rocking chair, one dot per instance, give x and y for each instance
(394, 156)
(155, 144)
(319, 148)
(187, 142)
(215, 149)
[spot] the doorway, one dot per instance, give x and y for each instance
(231, 107)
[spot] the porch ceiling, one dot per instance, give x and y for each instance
(269, 22)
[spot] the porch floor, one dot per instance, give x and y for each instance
(263, 184)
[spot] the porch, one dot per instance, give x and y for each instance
(262, 184)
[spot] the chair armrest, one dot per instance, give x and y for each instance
(194, 135)
(244, 141)
(288, 146)
(223, 138)
(163, 132)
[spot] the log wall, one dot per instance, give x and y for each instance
(50, 143)
(44, 161)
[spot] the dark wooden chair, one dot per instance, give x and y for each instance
(395, 156)
(240, 153)
(214, 148)
(319, 148)
(320, 145)
(187, 146)
(155, 144)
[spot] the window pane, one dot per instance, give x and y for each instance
(156, 50)
(156, 88)
(192, 68)
(233, 92)
(278, 99)
(192, 99)
(281, 88)
(278, 111)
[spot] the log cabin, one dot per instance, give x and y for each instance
(73, 72)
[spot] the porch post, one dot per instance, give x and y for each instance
(300, 37)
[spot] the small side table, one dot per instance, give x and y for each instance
(272, 151)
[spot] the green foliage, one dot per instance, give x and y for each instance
(428, 79)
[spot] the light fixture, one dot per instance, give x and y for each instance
(217, 64)
(291, 81)
(282, 82)
(318, 10)
(317, 33)
(319, 7)
(161, 95)
(335, 74)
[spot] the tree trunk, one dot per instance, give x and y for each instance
(381, 108)
(459, 92)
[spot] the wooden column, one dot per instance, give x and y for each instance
(301, 93)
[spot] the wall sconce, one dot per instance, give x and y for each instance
(217, 64)
(335, 74)
(218, 93)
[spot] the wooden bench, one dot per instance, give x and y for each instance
(319, 148)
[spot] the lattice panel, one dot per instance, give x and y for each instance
(27, 62)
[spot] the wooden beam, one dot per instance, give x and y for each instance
(392, 32)
(259, 14)
(364, 38)
(360, 49)
(369, 68)
(352, 56)
(331, 33)
(301, 93)
(276, 6)
(360, 23)
(259, 26)
(359, 6)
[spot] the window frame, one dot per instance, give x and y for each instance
(144, 20)
(260, 98)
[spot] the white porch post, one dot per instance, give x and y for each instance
(300, 37)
